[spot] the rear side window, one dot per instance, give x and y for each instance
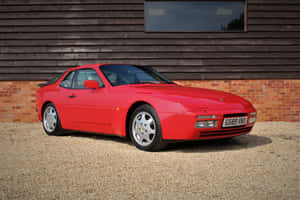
(67, 81)
(86, 74)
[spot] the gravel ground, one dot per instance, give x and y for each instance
(261, 165)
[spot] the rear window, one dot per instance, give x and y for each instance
(52, 81)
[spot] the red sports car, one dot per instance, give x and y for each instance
(138, 102)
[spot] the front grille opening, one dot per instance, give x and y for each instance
(235, 115)
(225, 132)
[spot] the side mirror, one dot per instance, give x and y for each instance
(91, 84)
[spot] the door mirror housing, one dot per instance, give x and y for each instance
(91, 84)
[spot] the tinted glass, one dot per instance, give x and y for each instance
(56, 78)
(189, 16)
(51, 81)
(131, 74)
(67, 82)
(86, 74)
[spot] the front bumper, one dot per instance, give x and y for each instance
(182, 127)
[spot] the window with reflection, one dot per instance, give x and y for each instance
(194, 16)
(86, 74)
(67, 82)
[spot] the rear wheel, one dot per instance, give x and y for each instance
(145, 129)
(51, 121)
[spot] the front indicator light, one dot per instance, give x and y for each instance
(206, 124)
(252, 118)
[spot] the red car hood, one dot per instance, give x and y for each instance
(196, 99)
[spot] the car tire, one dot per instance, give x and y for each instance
(51, 121)
(145, 129)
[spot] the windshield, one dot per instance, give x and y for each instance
(132, 74)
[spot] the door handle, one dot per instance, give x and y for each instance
(72, 96)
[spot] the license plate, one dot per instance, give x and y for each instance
(235, 121)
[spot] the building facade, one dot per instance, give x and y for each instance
(247, 47)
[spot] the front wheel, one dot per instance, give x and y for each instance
(51, 121)
(145, 129)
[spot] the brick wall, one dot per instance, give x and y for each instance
(275, 100)
(17, 101)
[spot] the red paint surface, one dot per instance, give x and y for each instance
(104, 110)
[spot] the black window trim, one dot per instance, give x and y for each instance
(191, 32)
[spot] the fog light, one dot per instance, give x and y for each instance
(206, 124)
(206, 117)
(252, 118)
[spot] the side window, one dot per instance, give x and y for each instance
(67, 82)
(86, 74)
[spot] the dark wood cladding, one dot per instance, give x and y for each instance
(40, 39)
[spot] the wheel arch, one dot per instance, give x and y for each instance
(130, 111)
(44, 106)
(58, 129)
